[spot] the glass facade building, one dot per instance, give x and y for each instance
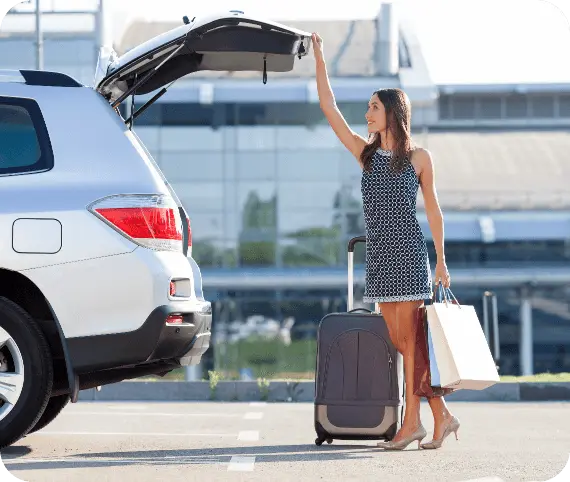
(274, 197)
(271, 190)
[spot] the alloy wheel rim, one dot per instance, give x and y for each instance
(11, 373)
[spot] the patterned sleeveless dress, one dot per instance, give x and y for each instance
(397, 262)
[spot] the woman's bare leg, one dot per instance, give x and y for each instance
(389, 314)
(441, 415)
(401, 320)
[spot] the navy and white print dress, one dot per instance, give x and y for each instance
(397, 262)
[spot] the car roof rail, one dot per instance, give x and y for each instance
(39, 77)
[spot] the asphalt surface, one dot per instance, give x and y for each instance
(254, 441)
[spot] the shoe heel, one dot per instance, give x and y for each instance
(456, 437)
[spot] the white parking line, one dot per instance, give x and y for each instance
(138, 434)
(486, 479)
(125, 407)
(109, 460)
(70, 460)
(253, 416)
(249, 435)
(154, 414)
(240, 463)
(257, 404)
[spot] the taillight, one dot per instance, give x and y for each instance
(189, 233)
(151, 221)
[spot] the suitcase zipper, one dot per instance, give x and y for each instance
(391, 389)
(390, 376)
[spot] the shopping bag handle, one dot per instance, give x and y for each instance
(441, 290)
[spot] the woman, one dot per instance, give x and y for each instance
(398, 275)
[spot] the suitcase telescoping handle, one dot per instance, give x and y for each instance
(351, 244)
(495, 320)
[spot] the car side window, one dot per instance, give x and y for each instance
(24, 142)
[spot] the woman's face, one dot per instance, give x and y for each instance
(376, 115)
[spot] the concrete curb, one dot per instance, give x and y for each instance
(238, 391)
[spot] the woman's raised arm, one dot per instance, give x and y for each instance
(351, 140)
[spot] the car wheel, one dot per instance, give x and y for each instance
(53, 409)
(26, 372)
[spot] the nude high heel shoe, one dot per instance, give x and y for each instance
(453, 426)
(418, 435)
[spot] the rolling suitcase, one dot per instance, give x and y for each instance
(358, 374)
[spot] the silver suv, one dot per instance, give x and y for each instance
(97, 279)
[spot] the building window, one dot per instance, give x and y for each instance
(490, 107)
(444, 107)
(542, 106)
(218, 115)
(464, 107)
(516, 106)
(564, 105)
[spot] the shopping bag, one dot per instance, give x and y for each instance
(462, 354)
(423, 377)
(434, 370)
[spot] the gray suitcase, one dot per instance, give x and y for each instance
(358, 374)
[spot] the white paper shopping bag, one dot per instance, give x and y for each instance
(434, 371)
(461, 350)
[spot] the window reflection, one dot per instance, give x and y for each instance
(299, 137)
(255, 165)
(508, 254)
(192, 165)
(215, 253)
(309, 195)
(257, 237)
(200, 196)
(308, 165)
(190, 139)
(304, 220)
(349, 169)
(256, 138)
(258, 197)
(207, 225)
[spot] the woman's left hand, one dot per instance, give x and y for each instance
(442, 274)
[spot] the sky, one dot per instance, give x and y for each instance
(463, 41)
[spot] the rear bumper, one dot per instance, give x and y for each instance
(153, 341)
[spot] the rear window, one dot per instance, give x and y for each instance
(24, 141)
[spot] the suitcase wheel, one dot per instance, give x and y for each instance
(319, 441)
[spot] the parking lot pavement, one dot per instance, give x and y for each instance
(275, 441)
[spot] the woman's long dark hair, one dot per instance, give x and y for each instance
(398, 122)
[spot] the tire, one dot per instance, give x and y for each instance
(24, 352)
(53, 409)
